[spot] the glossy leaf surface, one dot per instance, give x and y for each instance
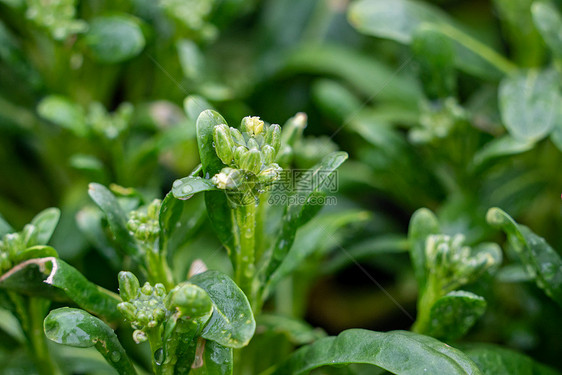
(232, 323)
(399, 352)
(541, 261)
(185, 188)
(75, 327)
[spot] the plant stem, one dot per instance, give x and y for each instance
(155, 341)
(425, 303)
(157, 267)
(36, 336)
(245, 216)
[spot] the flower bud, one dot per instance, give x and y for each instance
(252, 125)
(191, 301)
(273, 137)
(146, 289)
(237, 137)
(239, 154)
(153, 209)
(128, 285)
(223, 143)
(253, 144)
(159, 314)
(128, 311)
(252, 161)
(139, 336)
(159, 290)
(270, 174)
(293, 129)
(228, 178)
(268, 154)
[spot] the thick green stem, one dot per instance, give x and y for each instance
(158, 269)
(425, 302)
(156, 350)
(36, 336)
(245, 216)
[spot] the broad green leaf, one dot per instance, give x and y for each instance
(77, 328)
(169, 218)
(548, 21)
(216, 360)
(435, 56)
(541, 261)
(503, 146)
(206, 122)
(529, 103)
(116, 218)
(39, 251)
(232, 323)
(45, 223)
(422, 224)
(493, 360)
(297, 332)
(335, 99)
(53, 278)
(5, 228)
(398, 20)
(513, 273)
(113, 39)
(63, 112)
(218, 209)
(454, 314)
(399, 352)
(193, 105)
(185, 188)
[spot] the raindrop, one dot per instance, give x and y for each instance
(159, 356)
(115, 356)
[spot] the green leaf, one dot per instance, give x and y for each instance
(529, 103)
(45, 223)
(63, 112)
(297, 332)
(422, 224)
(549, 23)
(435, 55)
(399, 352)
(5, 228)
(503, 146)
(493, 360)
(399, 19)
(396, 20)
(191, 59)
(206, 122)
(184, 188)
(232, 323)
(77, 328)
(541, 261)
(454, 314)
(116, 218)
(33, 252)
(53, 278)
(113, 39)
(216, 360)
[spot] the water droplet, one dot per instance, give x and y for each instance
(115, 356)
(159, 356)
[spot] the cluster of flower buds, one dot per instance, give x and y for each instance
(143, 223)
(143, 307)
(14, 243)
(455, 264)
(438, 120)
(249, 154)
